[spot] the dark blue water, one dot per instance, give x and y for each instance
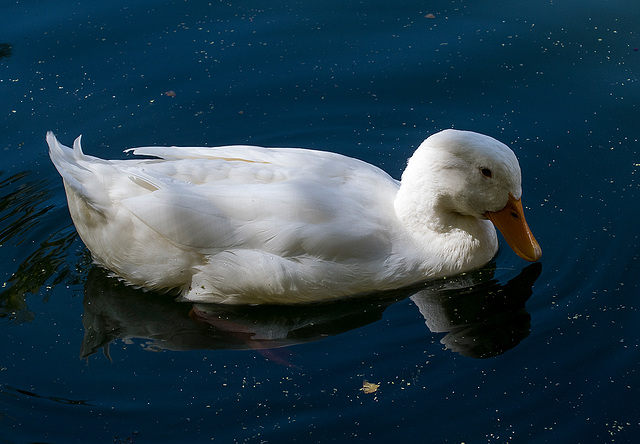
(512, 353)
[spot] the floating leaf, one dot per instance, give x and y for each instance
(170, 93)
(430, 16)
(369, 387)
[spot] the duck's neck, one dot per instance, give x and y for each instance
(448, 242)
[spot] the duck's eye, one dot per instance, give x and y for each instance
(486, 172)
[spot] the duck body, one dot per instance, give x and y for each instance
(252, 225)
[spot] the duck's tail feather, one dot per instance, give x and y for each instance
(78, 172)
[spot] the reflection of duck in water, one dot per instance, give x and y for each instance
(250, 225)
(482, 317)
(114, 310)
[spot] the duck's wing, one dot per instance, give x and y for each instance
(245, 153)
(287, 202)
(184, 218)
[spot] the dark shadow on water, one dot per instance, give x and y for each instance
(480, 316)
(6, 51)
(30, 231)
(13, 392)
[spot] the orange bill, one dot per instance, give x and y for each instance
(511, 223)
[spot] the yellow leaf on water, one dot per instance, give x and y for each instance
(369, 387)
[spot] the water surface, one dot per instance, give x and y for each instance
(512, 353)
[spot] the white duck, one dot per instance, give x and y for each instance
(251, 225)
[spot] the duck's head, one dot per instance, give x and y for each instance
(470, 174)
